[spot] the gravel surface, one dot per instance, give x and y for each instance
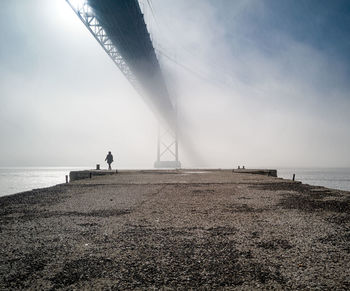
(176, 230)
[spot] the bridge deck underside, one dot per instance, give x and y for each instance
(125, 26)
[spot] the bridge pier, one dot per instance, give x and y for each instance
(120, 29)
(167, 148)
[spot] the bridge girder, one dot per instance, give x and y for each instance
(135, 57)
(133, 52)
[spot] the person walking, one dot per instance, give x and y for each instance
(109, 159)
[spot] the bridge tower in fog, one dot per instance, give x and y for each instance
(119, 27)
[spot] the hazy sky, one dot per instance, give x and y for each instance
(259, 83)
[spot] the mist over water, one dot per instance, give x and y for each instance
(258, 83)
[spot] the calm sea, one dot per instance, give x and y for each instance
(335, 178)
(14, 180)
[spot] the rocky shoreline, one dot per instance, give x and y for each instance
(176, 230)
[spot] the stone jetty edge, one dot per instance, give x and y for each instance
(147, 230)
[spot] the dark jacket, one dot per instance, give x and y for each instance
(109, 159)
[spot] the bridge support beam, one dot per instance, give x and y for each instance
(167, 148)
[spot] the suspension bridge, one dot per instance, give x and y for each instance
(120, 29)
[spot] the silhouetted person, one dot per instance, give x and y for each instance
(109, 159)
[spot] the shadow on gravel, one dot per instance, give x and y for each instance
(339, 218)
(84, 269)
(313, 191)
(275, 244)
(42, 197)
(27, 202)
(306, 203)
(202, 191)
(308, 198)
(146, 258)
(292, 186)
(221, 231)
(97, 213)
(27, 215)
(339, 240)
(241, 208)
(181, 258)
(23, 269)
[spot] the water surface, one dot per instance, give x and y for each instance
(19, 179)
(335, 178)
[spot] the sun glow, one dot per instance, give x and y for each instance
(77, 4)
(65, 14)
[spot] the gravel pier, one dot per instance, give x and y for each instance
(185, 229)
